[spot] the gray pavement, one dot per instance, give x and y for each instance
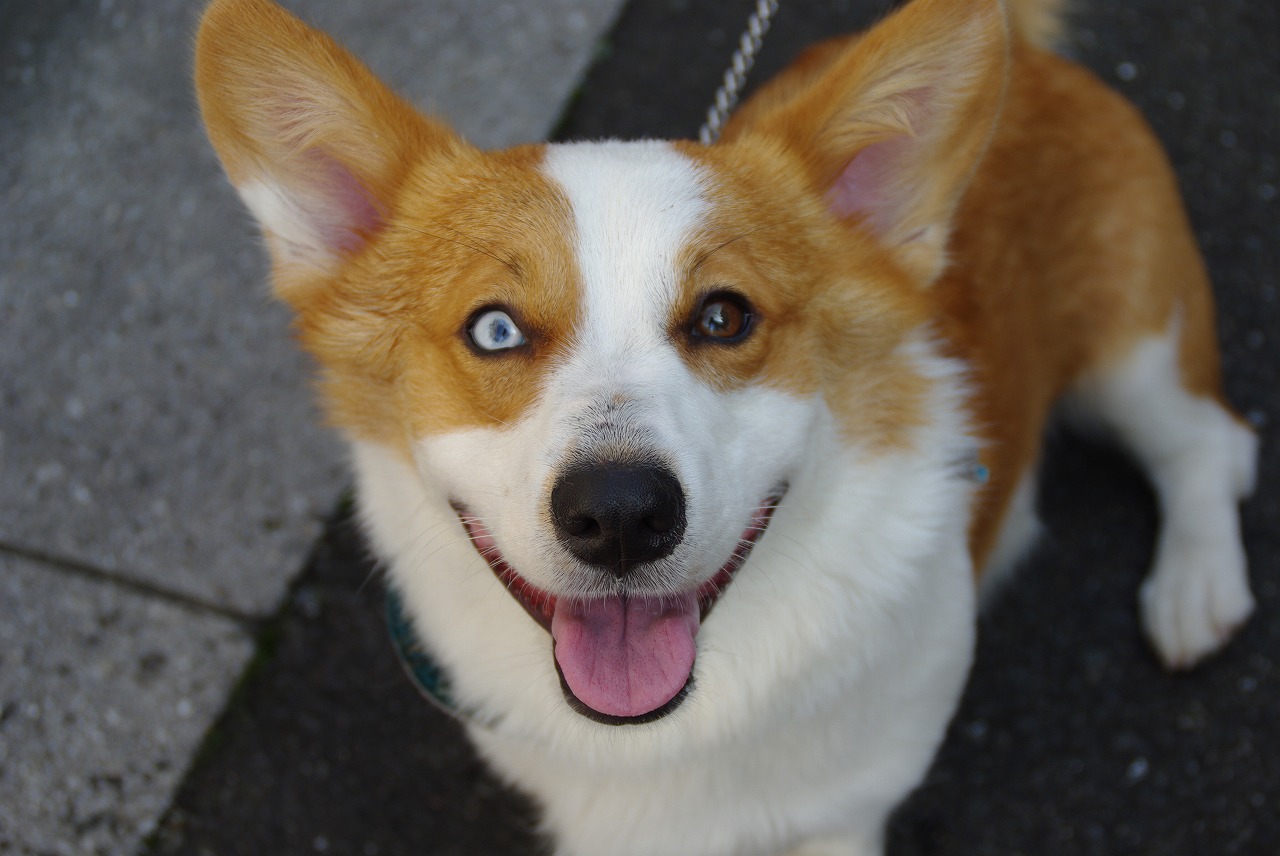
(105, 693)
(163, 473)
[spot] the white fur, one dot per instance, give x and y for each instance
(1201, 461)
(294, 236)
(828, 670)
(824, 678)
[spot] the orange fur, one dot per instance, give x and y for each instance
(276, 94)
(1038, 22)
(387, 330)
(834, 311)
(931, 76)
(382, 317)
(1070, 247)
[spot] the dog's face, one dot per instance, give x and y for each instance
(611, 360)
(613, 377)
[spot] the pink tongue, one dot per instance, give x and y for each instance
(626, 657)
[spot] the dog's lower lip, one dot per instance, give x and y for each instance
(710, 591)
(540, 605)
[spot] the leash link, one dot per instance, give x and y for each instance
(736, 75)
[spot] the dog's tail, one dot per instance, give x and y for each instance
(1040, 22)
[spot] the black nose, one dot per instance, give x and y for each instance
(618, 515)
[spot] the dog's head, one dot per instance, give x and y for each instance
(613, 359)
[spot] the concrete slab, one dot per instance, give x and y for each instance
(104, 696)
(155, 420)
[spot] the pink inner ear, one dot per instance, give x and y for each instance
(866, 187)
(876, 184)
(344, 211)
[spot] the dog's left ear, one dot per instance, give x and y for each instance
(891, 128)
(315, 144)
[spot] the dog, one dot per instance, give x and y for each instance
(691, 464)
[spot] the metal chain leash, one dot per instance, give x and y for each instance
(736, 75)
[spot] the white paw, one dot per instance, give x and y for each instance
(1195, 598)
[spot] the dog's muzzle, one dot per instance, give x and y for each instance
(624, 655)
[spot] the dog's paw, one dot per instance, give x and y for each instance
(1196, 597)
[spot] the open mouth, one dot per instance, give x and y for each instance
(622, 659)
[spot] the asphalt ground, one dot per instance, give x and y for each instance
(1070, 738)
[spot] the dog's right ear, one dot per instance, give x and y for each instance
(890, 127)
(314, 143)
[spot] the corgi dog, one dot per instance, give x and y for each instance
(691, 463)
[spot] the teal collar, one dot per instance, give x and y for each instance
(427, 676)
(975, 470)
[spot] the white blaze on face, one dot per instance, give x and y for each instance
(636, 206)
(624, 392)
(637, 209)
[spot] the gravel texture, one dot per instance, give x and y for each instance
(104, 697)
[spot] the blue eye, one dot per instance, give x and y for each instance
(493, 330)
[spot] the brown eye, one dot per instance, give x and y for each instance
(724, 317)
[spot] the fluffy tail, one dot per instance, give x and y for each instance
(1040, 22)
